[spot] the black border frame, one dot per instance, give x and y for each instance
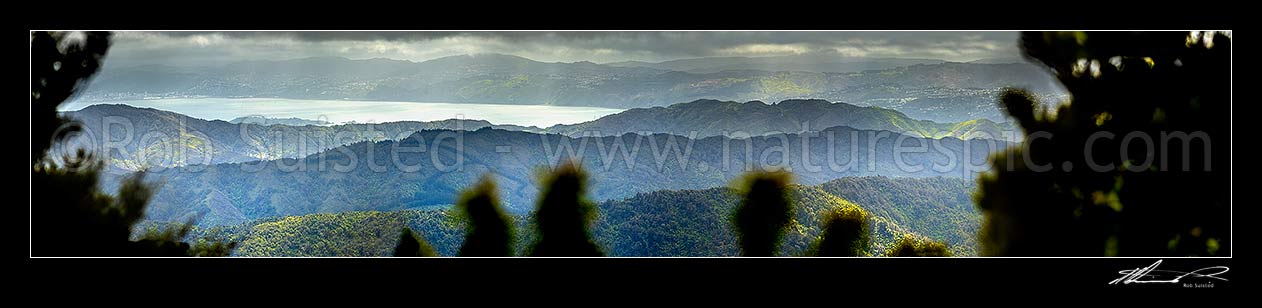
(981, 275)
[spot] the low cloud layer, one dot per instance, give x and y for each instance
(214, 48)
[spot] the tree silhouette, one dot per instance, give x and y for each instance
(564, 214)
(61, 64)
(70, 216)
(908, 246)
(764, 213)
(845, 234)
(413, 245)
(1137, 164)
(489, 232)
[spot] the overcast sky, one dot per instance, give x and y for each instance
(214, 48)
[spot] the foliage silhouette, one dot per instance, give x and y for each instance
(762, 216)
(70, 216)
(489, 230)
(1146, 105)
(564, 214)
(908, 246)
(413, 245)
(846, 234)
(60, 65)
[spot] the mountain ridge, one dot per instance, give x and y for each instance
(708, 117)
(227, 142)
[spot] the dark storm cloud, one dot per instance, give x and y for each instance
(566, 46)
(317, 36)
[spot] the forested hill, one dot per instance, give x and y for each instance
(939, 207)
(698, 223)
(659, 223)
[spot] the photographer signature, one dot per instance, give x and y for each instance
(1151, 274)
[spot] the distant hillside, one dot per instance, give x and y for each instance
(999, 60)
(660, 223)
(277, 121)
(153, 138)
(718, 118)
